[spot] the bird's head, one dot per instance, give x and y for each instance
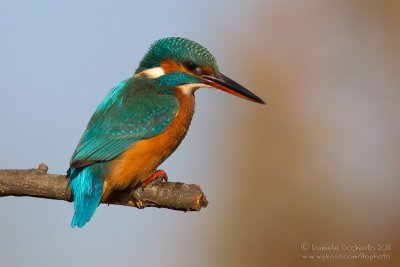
(187, 65)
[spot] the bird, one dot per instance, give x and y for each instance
(142, 121)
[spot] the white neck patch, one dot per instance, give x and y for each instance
(188, 89)
(152, 73)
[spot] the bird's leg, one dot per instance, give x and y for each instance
(154, 176)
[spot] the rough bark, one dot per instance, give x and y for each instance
(37, 183)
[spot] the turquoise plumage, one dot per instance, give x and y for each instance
(87, 188)
(179, 49)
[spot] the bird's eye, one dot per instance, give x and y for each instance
(193, 67)
(190, 65)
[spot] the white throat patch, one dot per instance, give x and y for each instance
(189, 88)
(152, 73)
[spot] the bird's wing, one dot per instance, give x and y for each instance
(132, 111)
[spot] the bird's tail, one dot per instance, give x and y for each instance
(87, 190)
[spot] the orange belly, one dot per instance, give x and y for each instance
(138, 163)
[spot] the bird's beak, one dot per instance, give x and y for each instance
(224, 83)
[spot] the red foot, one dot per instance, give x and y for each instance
(154, 176)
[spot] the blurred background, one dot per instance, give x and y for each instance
(319, 165)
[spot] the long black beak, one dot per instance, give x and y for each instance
(224, 83)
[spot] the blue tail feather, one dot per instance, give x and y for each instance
(87, 190)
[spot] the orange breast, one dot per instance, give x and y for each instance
(137, 163)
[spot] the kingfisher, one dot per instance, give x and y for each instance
(142, 121)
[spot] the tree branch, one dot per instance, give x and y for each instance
(37, 183)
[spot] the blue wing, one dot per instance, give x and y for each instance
(132, 111)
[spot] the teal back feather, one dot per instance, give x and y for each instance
(133, 110)
(112, 97)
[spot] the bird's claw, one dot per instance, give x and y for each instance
(156, 175)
